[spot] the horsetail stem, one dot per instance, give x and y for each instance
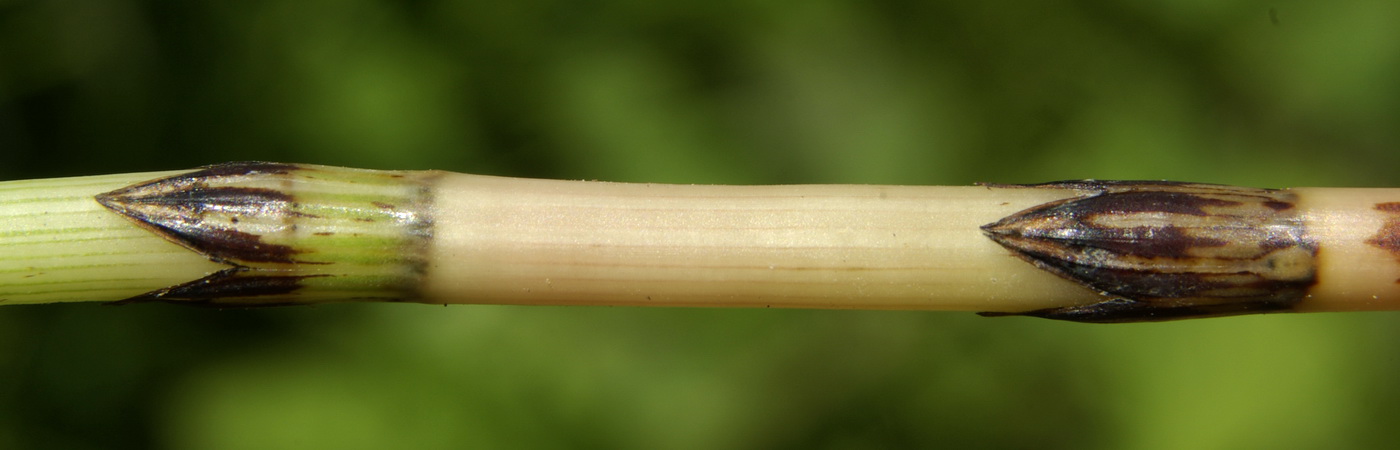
(256, 234)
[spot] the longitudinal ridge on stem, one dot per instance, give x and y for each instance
(257, 233)
(289, 234)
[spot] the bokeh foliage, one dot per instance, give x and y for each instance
(1282, 93)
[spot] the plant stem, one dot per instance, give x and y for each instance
(507, 240)
(251, 234)
(58, 245)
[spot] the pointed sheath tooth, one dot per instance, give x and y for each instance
(1162, 251)
(203, 210)
(289, 233)
(263, 289)
(1122, 310)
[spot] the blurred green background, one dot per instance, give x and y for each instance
(1282, 93)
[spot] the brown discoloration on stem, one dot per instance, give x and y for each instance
(279, 226)
(1388, 237)
(183, 217)
(234, 282)
(1165, 250)
(189, 210)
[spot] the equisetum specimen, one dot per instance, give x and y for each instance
(256, 234)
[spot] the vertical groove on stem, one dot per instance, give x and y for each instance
(59, 245)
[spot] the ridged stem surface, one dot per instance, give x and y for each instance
(57, 244)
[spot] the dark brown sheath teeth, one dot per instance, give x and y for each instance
(1165, 250)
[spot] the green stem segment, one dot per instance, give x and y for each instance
(241, 234)
(60, 245)
(288, 234)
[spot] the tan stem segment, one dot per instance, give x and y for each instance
(519, 241)
(1358, 248)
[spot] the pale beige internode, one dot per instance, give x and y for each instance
(1354, 274)
(509, 240)
(497, 240)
